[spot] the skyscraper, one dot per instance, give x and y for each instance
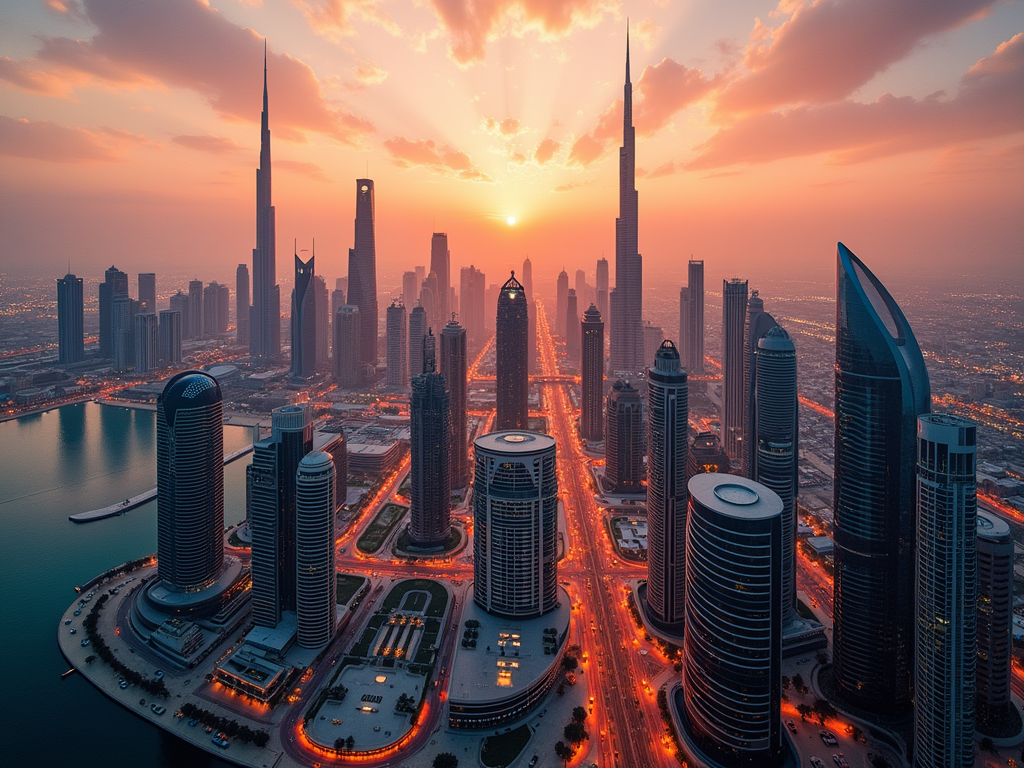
(592, 376)
(397, 334)
(270, 485)
(115, 283)
(473, 286)
(362, 272)
(242, 304)
(429, 299)
(512, 379)
(667, 417)
(454, 365)
(147, 291)
(653, 336)
(601, 289)
(190, 482)
(147, 342)
(347, 337)
(561, 295)
(694, 344)
(411, 289)
(775, 438)
(70, 320)
(323, 322)
(684, 327)
(265, 317)
(170, 336)
(732, 648)
(315, 579)
(995, 622)
(122, 332)
(623, 443)
(180, 304)
(757, 324)
(216, 298)
(627, 343)
(706, 455)
(196, 317)
(572, 328)
(881, 388)
(734, 312)
(417, 333)
(431, 456)
(440, 265)
(531, 336)
(947, 591)
(304, 320)
(580, 285)
(528, 277)
(515, 529)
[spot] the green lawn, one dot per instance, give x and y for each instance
(347, 587)
(380, 528)
(500, 751)
(438, 595)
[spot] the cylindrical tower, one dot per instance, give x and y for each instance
(732, 647)
(190, 482)
(666, 487)
(454, 364)
(995, 620)
(315, 580)
(515, 507)
(431, 458)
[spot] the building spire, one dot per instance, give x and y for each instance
(627, 49)
(265, 99)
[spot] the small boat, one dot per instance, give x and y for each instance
(69, 672)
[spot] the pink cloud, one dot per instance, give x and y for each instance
(30, 78)
(987, 105)
(368, 73)
(825, 50)
(426, 153)
(506, 128)
(301, 168)
(333, 18)
(545, 151)
(215, 145)
(43, 140)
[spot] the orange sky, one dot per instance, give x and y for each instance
(129, 132)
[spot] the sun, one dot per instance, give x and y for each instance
(511, 221)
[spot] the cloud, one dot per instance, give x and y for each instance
(309, 170)
(215, 145)
(987, 105)
(70, 9)
(188, 44)
(333, 18)
(43, 140)
(32, 79)
(471, 24)
(426, 153)
(506, 128)
(571, 186)
(665, 169)
(368, 73)
(647, 32)
(826, 50)
(545, 151)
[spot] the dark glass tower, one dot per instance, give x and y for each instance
(623, 443)
(592, 376)
(706, 455)
(454, 368)
(734, 311)
(396, 341)
(115, 283)
(757, 324)
(315, 579)
(147, 292)
(572, 328)
(417, 332)
(881, 388)
(303, 320)
(666, 487)
(347, 336)
(561, 294)
(70, 320)
(242, 304)
(440, 265)
(693, 346)
(362, 272)
(512, 383)
(431, 456)
(995, 622)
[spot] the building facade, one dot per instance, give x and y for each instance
(70, 320)
(734, 311)
(454, 368)
(347, 337)
(362, 272)
(115, 283)
(512, 379)
(397, 334)
(431, 456)
(592, 376)
(170, 336)
(303, 327)
(995, 621)
(242, 304)
(315, 578)
(623, 443)
(265, 313)
(757, 325)
(147, 342)
(147, 291)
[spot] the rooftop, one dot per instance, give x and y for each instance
(735, 496)
(515, 441)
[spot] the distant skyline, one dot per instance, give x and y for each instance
(130, 135)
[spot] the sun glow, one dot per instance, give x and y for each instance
(511, 221)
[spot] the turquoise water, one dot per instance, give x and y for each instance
(53, 464)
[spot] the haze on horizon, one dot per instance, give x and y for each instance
(129, 132)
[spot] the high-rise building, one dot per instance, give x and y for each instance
(170, 336)
(147, 292)
(528, 277)
(667, 417)
(417, 333)
(627, 327)
(454, 367)
(70, 320)
(515, 528)
(347, 337)
(531, 337)
(732, 648)
(304, 320)
(775, 438)
(653, 336)
(315, 579)
(147, 342)
(216, 300)
(580, 285)
(242, 304)
(440, 265)
(410, 288)
(270, 485)
(196, 317)
(881, 388)
(115, 283)
(561, 295)
(429, 298)
(947, 591)
(190, 482)
(122, 331)
(473, 287)
(734, 313)
(602, 287)
(512, 379)
(995, 621)
(592, 376)
(362, 272)
(323, 322)
(757, 324)
(572, 328)
(694, 344)
(337, 300)
(397, 334)
(706, 455)
(430, 514)
(265, 316)
(490, 302)
(684, 327)
(180, 304)
(623, 442)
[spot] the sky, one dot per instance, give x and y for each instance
(129, 133)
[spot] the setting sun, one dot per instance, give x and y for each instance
(511, 221)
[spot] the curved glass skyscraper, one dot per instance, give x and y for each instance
(512, 380)
(881, 389)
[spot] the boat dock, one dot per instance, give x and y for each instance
(137, 501)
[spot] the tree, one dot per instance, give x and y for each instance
(563, 751)
(579, 714)
(799, 684)
(805, 711)
(569, 663)
(823, 710)
(446, 760)
(575, 732)
(350, 743)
